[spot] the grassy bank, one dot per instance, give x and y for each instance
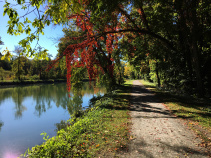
(196, 112)
(100, 131)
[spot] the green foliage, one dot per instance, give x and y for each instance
(34, 77)
(152, 73)
(23, 68)
(78, 74)
(17, 67)
(57, 11)
(131, 72)
(1, 73)
(5, 75)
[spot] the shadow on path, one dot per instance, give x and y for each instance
(156, 132)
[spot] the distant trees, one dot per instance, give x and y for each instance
(22, 68)
(4, 64)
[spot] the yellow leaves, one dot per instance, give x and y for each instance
(7, 55)
(59, 11)
(76, 6)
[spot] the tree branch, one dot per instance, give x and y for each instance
(128, 16)
(143, 15)
(142, 31)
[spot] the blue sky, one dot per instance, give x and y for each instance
(48, 40)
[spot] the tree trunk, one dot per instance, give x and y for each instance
(183, 42)
(19, 78)
(188, 36)
(157, 74)
(194, 47)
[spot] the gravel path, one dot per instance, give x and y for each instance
(156, 133)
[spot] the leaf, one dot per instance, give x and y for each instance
(11, 15)
(7, 55)
(19, 27)
(48, 22)
(8, 11)
(5, 10)
(27, 47)
(3, 57)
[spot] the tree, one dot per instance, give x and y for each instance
(176, 25)
(18, 63)
(4, 64)
(91, 52)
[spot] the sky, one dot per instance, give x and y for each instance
(49, 40)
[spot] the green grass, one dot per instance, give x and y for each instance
(129, 82)
(100, 131)
(197, 112)
(149, 85)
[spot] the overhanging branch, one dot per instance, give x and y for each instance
(142, 31)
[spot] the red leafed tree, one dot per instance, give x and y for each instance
(94, 51)
(100, 39)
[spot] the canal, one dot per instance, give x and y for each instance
(27, 111)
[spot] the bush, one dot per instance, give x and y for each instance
(34, 77)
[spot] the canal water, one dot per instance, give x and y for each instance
(27, 111)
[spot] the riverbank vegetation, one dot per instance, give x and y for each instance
(100, 130)
(195, 111)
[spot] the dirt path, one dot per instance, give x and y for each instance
(158, 134)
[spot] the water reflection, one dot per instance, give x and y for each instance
(1, 124)
(44, 95)
(61, 125)
(27, 111)
(73, 103)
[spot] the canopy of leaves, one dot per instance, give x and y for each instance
(173, 33)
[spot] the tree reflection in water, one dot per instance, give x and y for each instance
(61, 125)
(43, 95)
(73, 104)
(27, 111)
(1, 124)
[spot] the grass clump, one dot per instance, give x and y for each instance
(100, 131)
